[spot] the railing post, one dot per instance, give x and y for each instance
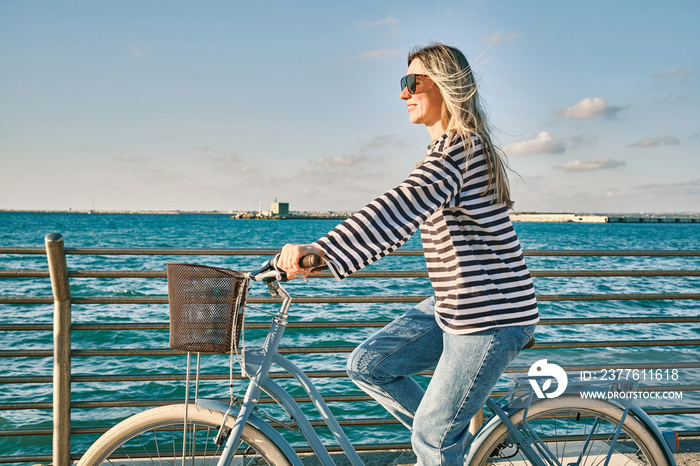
(476, 422)
(58, 270)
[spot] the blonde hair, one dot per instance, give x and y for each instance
(462, 112)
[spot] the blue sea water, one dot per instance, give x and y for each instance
(219, 231)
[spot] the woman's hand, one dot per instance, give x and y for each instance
(290, 256)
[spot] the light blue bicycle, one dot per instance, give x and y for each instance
(206, 306)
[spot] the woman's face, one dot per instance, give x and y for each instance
(424, 105)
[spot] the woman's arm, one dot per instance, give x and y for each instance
(389, 221)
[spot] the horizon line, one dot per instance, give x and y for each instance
(230, 212)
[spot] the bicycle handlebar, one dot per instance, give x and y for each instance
(312, 261)
(270, 270)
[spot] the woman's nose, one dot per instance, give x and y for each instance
(405, 95)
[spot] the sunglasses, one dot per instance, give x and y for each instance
(409, 82)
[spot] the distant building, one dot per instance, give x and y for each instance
(279, 208)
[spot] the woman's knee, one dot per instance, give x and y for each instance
(357, 366)
(365, 365)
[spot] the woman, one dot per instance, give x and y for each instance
(484, 309)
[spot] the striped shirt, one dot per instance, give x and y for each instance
(474, 259)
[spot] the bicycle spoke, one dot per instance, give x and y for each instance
(563, 452)
(555, 434)
(160, 461)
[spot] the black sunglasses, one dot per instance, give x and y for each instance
(409, 82)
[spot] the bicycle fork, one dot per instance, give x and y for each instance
(234, 437)
(254, 391)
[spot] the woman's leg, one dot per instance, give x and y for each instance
(467, 371)
(382, 366)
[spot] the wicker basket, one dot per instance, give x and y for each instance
(206, 307)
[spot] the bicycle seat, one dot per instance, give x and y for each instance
(530, 343)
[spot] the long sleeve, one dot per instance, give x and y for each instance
(389, 221)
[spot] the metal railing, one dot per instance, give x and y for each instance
(62, 328)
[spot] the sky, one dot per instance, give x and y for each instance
(223, 105)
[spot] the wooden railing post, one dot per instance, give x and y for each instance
(58, 270)
(476, 422)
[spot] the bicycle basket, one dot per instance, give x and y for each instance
(206, 307)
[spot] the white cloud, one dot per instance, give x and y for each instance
(612, 111)
(341, 161)
(499, 38)
(689, 189)
(544, 143)
(388, 21)
(580, 140)
(133, 158)
(140, 50)
(346, 181)
(651, 142)
(362, 158)
(217, 156)
(382, 141)
(589, 165)
(673, 72)
(587, 108)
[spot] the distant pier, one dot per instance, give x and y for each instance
(653, 219)
(598, 218)
(557, 217)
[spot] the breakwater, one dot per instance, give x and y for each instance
(654, 219)
(600, 218)
(292, 216)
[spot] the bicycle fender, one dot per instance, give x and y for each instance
(256, 422)
(481, 435)
(644, 418)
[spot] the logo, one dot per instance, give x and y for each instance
(543, 369)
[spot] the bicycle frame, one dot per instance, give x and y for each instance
(257, 364)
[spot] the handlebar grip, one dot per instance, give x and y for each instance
(312, 261)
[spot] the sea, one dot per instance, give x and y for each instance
(107, 230)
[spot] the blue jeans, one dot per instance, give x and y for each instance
(467, 367)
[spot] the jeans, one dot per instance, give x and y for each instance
(467, 367)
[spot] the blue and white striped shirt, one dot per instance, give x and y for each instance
(474, 259)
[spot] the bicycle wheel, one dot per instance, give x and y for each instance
(564, 423)
(156, 436)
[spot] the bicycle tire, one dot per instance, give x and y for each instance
(157, 434)
(555, 420)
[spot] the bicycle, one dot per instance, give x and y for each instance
(208, 317)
